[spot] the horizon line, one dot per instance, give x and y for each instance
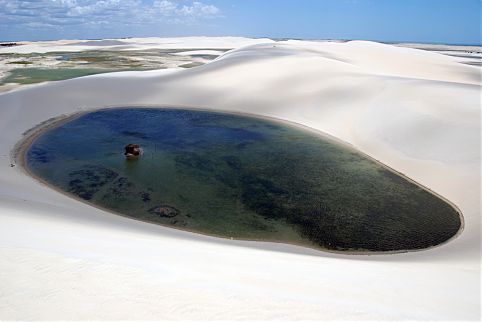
(272, 38)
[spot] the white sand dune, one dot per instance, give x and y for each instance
(199, 52)
(416, 111)
(133, 44)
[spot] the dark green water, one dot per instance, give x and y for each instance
(37, 75)
(240, 177)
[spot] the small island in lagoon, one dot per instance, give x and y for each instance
(241, 177)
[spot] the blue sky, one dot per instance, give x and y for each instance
(440, 21)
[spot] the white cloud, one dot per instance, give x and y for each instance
(164, 6)
(198, 9)
(49, 13)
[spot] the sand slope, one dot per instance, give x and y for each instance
(416, 111)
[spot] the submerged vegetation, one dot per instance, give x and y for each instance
(240, 177)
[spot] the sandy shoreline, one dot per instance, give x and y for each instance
(31, 135)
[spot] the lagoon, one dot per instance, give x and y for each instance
(241, 177)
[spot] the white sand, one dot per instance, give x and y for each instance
(133, 44)
(200, 52)
(416, 111)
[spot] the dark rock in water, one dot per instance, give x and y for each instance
(164, 211)
(146, 197)
(132, 151)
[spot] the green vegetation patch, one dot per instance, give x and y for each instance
(20, 62)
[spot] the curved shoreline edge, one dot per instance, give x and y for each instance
(17, 156)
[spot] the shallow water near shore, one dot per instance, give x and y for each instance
(240, 177)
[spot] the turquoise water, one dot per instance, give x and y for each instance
(241, 177)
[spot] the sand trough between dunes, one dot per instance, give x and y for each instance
(418, 112)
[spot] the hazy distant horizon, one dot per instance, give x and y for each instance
(428, 21)
(272, 38)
